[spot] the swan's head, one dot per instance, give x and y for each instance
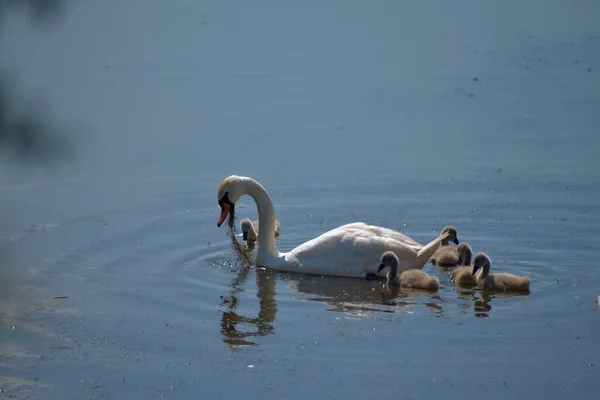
(481, 260)
(388, 259)
(248, 232)
(464, 253)
(453, 234)
(229, 192)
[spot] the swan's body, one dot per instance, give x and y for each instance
(412, 278)
(250, 230)
(463, 275)
(446, 255)
(351, 250)
(499, 281)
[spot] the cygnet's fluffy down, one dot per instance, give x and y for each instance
(250, 230)
(446, 255)
(498, 281)
(463, 275)
(411, 278)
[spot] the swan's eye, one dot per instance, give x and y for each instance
(225, 199)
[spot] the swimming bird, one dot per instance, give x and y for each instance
(446, 255)
(411, 278)
(351, 250)
(250, 230)
(499, 281)
(463, 274)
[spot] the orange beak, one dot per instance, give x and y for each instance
(224, 211)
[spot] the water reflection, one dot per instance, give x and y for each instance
(481, 305)
(347, 295)
(235, 328)
(351, 296)
(358, 297)
(481, 299)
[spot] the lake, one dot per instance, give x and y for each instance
(115, 281)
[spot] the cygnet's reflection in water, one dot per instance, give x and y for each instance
(480, 300)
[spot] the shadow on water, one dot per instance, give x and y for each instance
(28, 135)
(28, 138)
(40, 11)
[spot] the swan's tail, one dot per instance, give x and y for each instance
(427, 251)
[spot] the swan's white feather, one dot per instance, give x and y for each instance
(354, 250)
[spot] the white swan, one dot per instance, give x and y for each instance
(352, 250)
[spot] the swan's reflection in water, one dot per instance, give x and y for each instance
(351, 296)
(233, 324)
(360, 297)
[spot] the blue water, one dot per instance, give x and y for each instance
(405, 115)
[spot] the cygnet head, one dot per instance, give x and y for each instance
(464, 254)
(248, 232)
(453, 234)
(389, 259)
(481, 260)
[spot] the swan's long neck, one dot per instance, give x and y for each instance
(266, 219)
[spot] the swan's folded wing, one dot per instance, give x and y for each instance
(370, 247)
(327, 254)
(352, 251)
(380, 231)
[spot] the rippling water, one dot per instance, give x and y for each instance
(118, 284)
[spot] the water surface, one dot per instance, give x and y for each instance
(409, 116)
